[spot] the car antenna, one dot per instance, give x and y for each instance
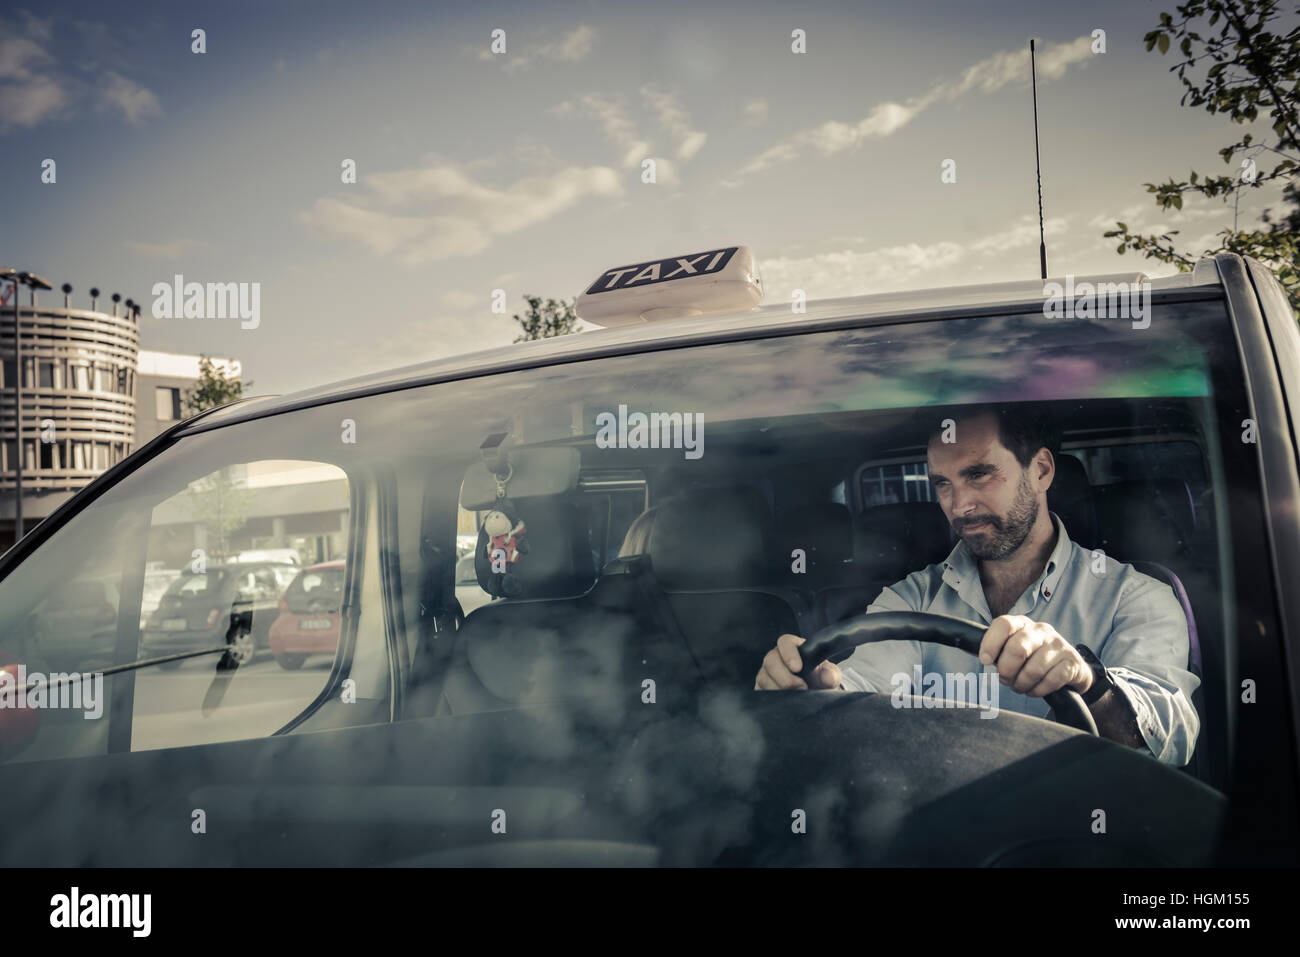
(1042, 240)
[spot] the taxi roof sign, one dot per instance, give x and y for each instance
(717, 280)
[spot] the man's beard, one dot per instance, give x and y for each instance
(1002, 536)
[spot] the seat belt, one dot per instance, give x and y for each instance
(658, 601)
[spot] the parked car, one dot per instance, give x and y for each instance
(308, 623)
(604, 711)
(286, 555)
(232, 604)
(156, 583)
(75, 628)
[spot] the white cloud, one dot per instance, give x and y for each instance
(612, 116)
(135, 101)
(850, 272)
(21, 57)
(461, 215)
(33, 89)
(31, 102)
(885, 119)
(572, 48)
(666, 172)
(755, 112)
(675, 120)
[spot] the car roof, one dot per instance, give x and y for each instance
(772, 319)
(337, 563)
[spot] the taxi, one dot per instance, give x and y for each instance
(657, 502)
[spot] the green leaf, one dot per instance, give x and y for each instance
(1163, 43)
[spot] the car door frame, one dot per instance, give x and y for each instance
(1269, 348)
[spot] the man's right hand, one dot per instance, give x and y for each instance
(782, 662)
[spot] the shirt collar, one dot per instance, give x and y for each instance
(962, 574)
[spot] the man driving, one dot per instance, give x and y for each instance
(1056, 614)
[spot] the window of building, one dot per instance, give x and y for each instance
(168, 404)
(50, 455)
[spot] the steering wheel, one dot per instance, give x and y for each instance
(841, 638)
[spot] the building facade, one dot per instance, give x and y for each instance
(89, 397)
(162, 379)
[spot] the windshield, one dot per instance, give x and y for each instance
(637, 533)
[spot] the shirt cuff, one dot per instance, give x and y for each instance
(1147, 724)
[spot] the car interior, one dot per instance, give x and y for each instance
(639, 563)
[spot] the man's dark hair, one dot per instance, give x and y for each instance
(1022, 427)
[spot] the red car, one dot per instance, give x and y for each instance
(309, 615)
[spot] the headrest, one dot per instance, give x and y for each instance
(892, 541)
(706, 538)
(1145, 520)
(544, 550)
(823, 530)
(1071, 498)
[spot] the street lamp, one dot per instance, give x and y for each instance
(32, 282)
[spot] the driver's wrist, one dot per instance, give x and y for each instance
(1099, 680)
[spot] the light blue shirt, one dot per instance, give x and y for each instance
(1132, 622)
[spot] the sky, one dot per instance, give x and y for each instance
(522, 170)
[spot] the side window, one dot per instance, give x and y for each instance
(216, 602)
(149, 573)
(890, 484)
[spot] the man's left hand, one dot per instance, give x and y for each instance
(1032, 658)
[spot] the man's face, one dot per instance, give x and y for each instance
(989, 499)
